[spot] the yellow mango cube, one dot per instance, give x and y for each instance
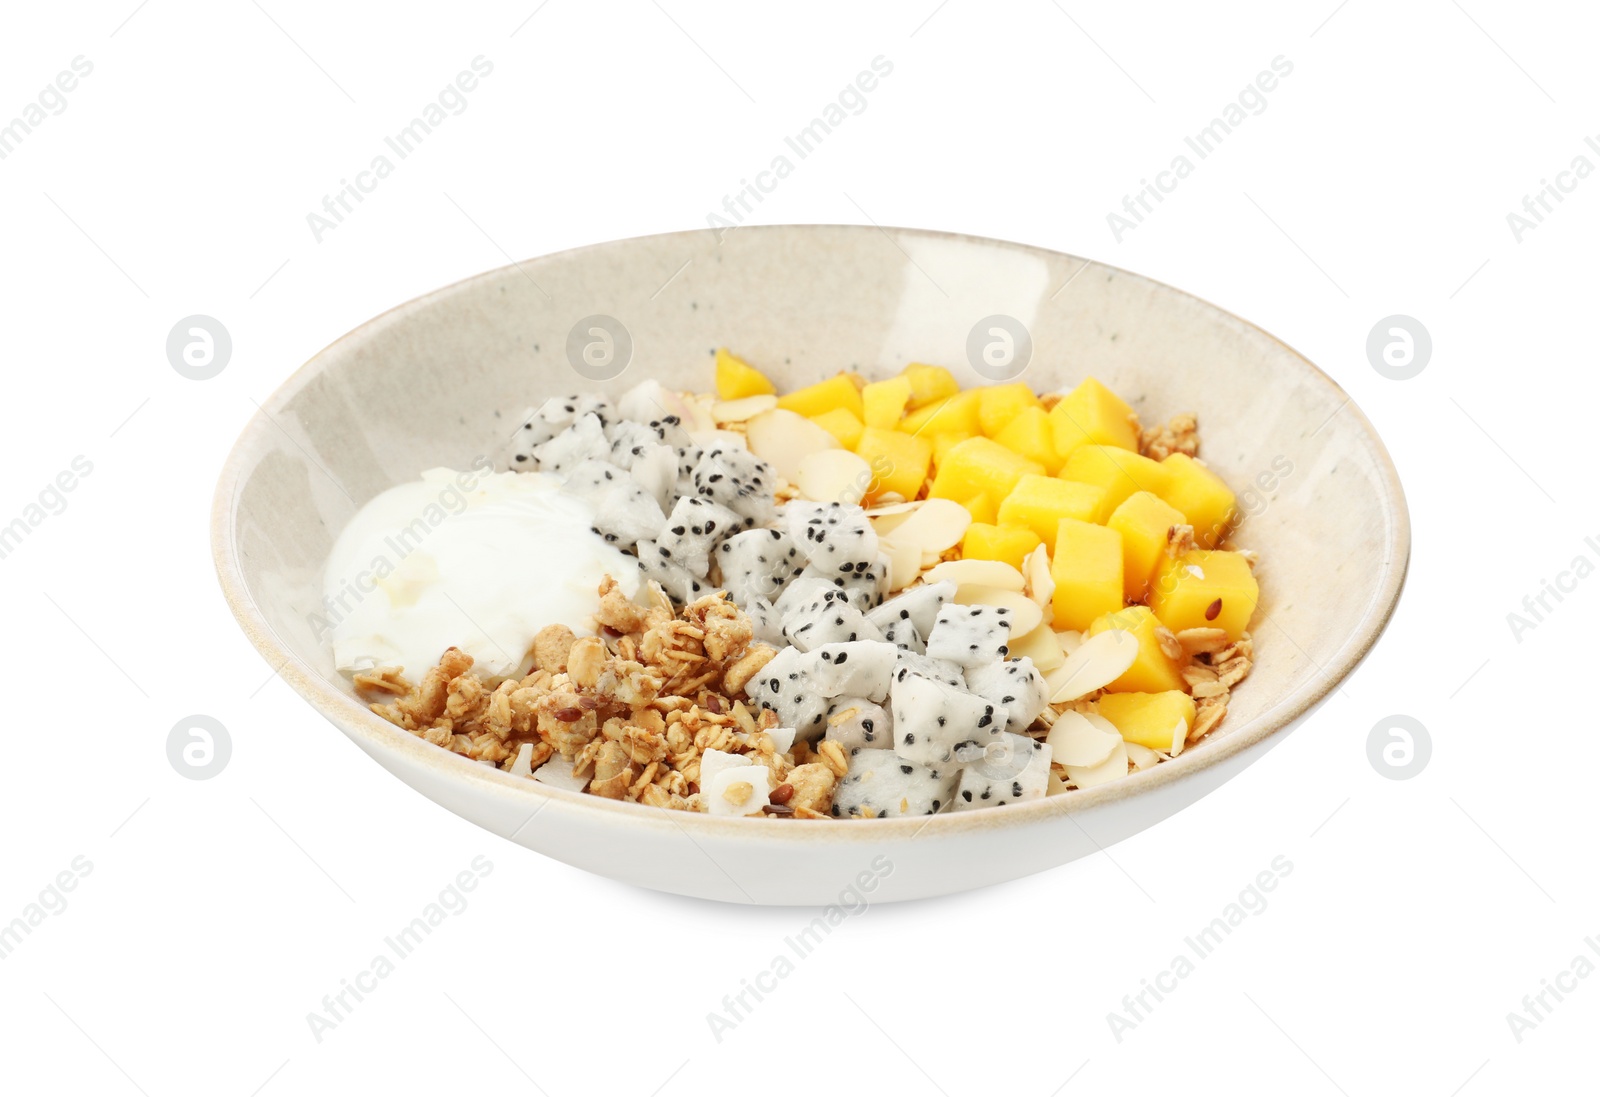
(980, 466)
(956, 414)
(929, 384)
(982, 507)
(1093, 414)
(943, 444)
(1121, 472)
(1008, 544)
(1144, 520)
(1032, 435)
(999, 404)
(839, 391)
(1205, 500)
(1039, 503)
(899, 462)
(843, 424)
(1206, 589)
(737, 378)
(1150, 719)
(1087, 569)
(1153, 670)
(884, 402)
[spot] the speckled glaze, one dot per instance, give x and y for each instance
(440, 380)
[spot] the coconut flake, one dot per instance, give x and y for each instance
(1074, 741)
(1099, 661)
(833, 475)
(522, 764)
(557, 773)
(782, 739)
(978, 573)
(738, 411)
(721, 791)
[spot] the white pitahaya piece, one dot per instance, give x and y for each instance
(629, 441)
(693, 530)
(650, 400)
(765, 624)
(970, 635)
(862, 667)
(583, 441)
(903, 635)
(940, 670)
(758, 563)
(919, 605)
(688, 457)
(836, 538)
(1014, 685)
(782, 688)
(539, 425)
(828, 619)
(881, 784)
(800, 592)
(656, 470)
(657, 565)
(856, 722)
(864, 587)
(624, 512)
(1012, 770)
(936, 724)
(739, 480)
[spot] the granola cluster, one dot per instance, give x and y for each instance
(631, 710)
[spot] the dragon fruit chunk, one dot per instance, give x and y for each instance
(693, 530)
(836, 538)
(782, 688)
(882, 784)
(1014, 769)
(940, 670)
(803, 590)
(624, 512)
(758, 563)
(656, 470)
(1015, 686)
(903, 635)
(657, 565)
(856, 723)
(862, 667)
(584, 440)
(827, 620)
(765, 624)
(935, 723)
(919, 605)
(739, 480)
(970, 635)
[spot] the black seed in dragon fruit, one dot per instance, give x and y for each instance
(970, 635)
(934, 723)
(858, 723)
(1014, 685)
(693, 530)
(758, 563)
(1010, 771)
(864, 667)
(881, 784)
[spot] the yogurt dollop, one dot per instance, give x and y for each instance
(478, 560)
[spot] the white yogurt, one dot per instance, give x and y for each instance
(478, 560)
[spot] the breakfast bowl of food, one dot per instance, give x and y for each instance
(800, 564)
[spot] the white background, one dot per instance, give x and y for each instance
(219, 913)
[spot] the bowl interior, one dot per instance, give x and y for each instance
(442, 380)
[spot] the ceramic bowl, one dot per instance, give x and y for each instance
(440, 380)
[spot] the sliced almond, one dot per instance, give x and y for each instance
(1036, 569)
(1074, 741)
(1141, 756)
(1070, 640)
(887, 519)
(782, 438)
(833, 476)
(1099, 661)
(1180, 736)
(1040, 646)
(936, 526)
(905, 563)
(738, 411)
(1025, 613)
(1114, 768)
(1054, 786)
(978, 573)
(1101, 722)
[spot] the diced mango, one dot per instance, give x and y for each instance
(1092, 413)
(737, 378)
(1039, 503)
(1121, 472)
(1087, 569)
(1032, 435)
(884, 402)
(899, 462)
(1008, 544)
(982, 507)
(956, 414)
(1150, 719)
(980, 465)
(943, 444)
(1143, 520)
(838, 391)
(929, 384)
(1153, 670)
(843, 424)
(1206, 589)
(1202, 496)
(1000, 404)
